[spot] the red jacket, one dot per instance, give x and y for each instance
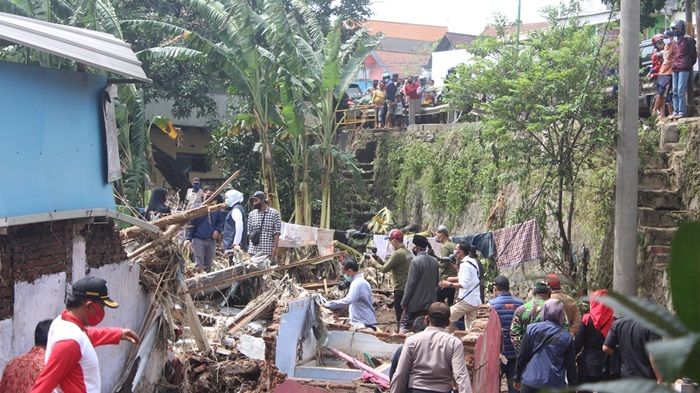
(411, 90)
(657, 59)
(686, 55)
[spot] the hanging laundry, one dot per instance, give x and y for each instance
(518, 244)
(483, 242)
(293, 235)
(324, 241)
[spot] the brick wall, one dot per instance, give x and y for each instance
(30, 251)
(102, 245)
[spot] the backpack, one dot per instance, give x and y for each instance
(693, 52)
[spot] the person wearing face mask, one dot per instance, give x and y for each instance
(72, 365)
(235, 235)
(683, 61)
(358, 300)
(264, 226)
(194, 195)
(468, 281)
(398, 264)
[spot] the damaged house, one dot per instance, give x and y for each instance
(57, 212)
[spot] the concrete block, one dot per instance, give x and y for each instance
(657, 236)
(670, 133)
(661, 218)
(660, 200)
(655, 179)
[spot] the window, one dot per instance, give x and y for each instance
(192, 162)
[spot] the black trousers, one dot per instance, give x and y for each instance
(398, 297)
(528, 389)
(446, 293)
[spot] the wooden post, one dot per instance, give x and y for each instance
(192, 319)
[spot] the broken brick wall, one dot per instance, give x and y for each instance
(30, 251)
(103, 245)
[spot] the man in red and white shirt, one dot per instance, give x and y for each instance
(71, 361)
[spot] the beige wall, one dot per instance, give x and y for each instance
(194, 140)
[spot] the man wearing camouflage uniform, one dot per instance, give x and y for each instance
(529, 312)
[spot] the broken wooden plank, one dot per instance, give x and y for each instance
(233, 279)
(166, 236)
(192, 319)
(320, 285)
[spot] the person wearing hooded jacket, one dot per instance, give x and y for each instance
(590, 338)
(546, 359)
(156, 205)
(235, 233)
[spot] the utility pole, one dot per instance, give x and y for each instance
(625, 263)
(518, 22)
(692, 28)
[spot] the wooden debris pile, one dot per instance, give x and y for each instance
(234, 373)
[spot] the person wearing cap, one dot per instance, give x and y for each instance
(505, 305)
(421, 285)
(573, 315)
(432, 359)
(71, 361)
(235, 235)
(264, 226)
(529, 312)
(468, 281)
(21, 372)
(195, 194)
(398, 264)
(447, 264)
(359, 298)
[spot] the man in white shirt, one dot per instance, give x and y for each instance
(194, 194)
(358, 299)
(467, 281)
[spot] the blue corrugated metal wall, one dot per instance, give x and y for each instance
(52, 154)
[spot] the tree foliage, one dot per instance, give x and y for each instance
(543, 104)
(646, 10)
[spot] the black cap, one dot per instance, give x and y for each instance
(93, 287)
(501, 282)
(259, 195)
(420, 241)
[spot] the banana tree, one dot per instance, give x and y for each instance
(335, 65)
(238, 52)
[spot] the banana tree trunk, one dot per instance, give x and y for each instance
(267, 170)
(326, 190)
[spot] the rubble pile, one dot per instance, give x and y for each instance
(233, 374)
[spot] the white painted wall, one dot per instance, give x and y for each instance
(5, 342)
(124, 288)
(79, 259)
(44, 298)
(443, 61)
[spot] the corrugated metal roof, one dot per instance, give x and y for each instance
(94, 48)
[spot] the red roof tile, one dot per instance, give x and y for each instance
(403, 63)
(524, 28)
(406, 30)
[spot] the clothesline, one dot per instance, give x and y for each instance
(508, 246)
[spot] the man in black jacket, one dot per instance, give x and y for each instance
(421, 287)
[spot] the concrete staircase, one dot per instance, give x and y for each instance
(660, 206)
(362, 208)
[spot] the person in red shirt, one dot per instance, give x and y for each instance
(71, 360)
(21, 372)
(657, 60)
(412, 92)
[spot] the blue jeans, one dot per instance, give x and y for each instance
(680, 91)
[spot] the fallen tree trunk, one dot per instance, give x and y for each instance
(180, 218)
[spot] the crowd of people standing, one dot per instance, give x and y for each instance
(392, 96)
(673, 58)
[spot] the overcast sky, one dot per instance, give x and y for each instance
(463, 16)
